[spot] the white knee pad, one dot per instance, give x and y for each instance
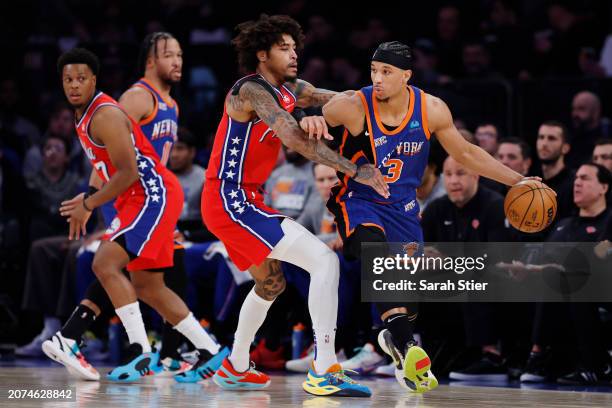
(301, 248)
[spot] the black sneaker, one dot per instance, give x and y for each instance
(490, 367)
(536, 369)
(587, 377)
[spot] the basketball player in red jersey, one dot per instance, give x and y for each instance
(256, 121)
(148, 199)
(149, 102)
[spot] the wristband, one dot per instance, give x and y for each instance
(316, 110)
(298, 115)
(92, 190)
(85, 205)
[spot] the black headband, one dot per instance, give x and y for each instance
(391, 58)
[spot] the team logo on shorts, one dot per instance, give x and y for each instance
(114, 227)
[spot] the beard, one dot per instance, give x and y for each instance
(552, 159)
(167, 79)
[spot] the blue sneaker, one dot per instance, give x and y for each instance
(137, 365)
(204, 368)
(334, 383)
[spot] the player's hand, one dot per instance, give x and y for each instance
(77, 216)
(535, 178)
(316, 127)
(369, 175)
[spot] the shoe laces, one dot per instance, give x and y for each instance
(338, 377)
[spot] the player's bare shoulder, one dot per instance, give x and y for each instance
(106, 120)
(138, 102)
(238, 105)
(438, 114)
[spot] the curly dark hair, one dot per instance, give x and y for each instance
(79, 56)
(261, 35)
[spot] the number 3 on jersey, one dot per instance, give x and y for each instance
(394, 170)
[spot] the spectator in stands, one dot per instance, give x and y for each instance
(602, 153)
(506, 37)
(432, 183)
(18, 133)
(552, 147)
(426, 61)
(291, 185)
(53, 184)
(588, 126)
(581, 324)
(471, 213)
(487, 135)
(448, 39)
(477, 61)
(514, 153)
(316, 218)
(191, 177)
(61, 126)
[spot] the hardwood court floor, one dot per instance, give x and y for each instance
(285, 391)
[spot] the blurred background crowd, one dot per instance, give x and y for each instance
(529, 81)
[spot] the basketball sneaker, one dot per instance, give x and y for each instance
(412, 368)
(205, 367)
(334, 383)
(536, 369)
(172, 365)
(365, 361)
(227, 377)
(490, 367)
(136, 365)
(387, 370)
(67, 352)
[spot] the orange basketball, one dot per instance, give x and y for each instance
(530, 206)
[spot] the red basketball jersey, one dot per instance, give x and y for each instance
(146, 157)
(245, 153)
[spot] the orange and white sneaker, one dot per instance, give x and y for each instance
(66, 351)
(230, 379)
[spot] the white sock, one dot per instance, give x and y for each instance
(134, 326)
(324, 268)
(190, 328)
(252, 315)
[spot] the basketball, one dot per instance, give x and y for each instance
(530, 206)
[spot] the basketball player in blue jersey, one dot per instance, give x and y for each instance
(149, 103)
(389, 124)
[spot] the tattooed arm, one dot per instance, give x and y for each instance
(308, 95)
(254, 96)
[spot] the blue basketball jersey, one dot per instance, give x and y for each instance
(400, 153)
(161, 125)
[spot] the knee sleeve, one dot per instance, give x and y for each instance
(303, 249)
(352, 245)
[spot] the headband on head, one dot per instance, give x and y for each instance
(391, 58)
